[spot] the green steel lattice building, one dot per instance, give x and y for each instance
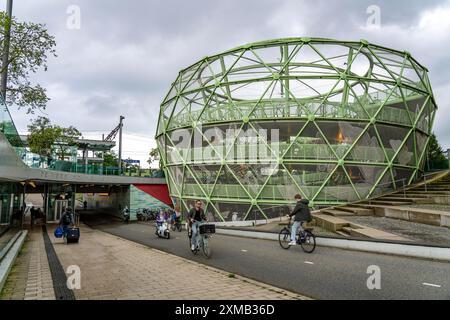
(336, 121)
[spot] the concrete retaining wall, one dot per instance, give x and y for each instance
(7, 262)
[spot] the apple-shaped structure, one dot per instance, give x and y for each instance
(334, 121)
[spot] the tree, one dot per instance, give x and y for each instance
(46, 139)
(30, 46)
(435, 155)
(110, 159)
(154, 156)
(42, 137)
(66, 138)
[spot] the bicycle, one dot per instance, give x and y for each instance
(176, 225)
(306, 239)
(204, 234)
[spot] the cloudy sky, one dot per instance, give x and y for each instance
(126, 54)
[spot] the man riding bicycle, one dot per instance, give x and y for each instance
(196, 216)
(302, 214)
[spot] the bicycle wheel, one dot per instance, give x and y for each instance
(309, 242)
(284, 237)
(205, 247)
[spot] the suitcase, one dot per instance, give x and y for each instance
(73, 235)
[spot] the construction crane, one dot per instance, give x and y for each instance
(113, 135)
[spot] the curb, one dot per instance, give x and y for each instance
(406, 250)
(8, 260)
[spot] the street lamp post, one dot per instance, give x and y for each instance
(120, 143)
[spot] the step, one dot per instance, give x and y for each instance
(431, 189)
(441, 193)
(390, 203)
(348, 230)
(337, 213)
(375, 234)
(363, 205)
(329, 222)
(341, 233)
(423, 195)
(357, 210)
(408, 199)
(427, 195)
(398, 198)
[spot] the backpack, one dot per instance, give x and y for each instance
(308, 215)
(66, 219)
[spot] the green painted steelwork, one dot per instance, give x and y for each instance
(336, 121)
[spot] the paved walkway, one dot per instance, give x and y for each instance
(115, 268)
(30, 277)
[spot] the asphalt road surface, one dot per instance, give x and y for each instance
(328, 273)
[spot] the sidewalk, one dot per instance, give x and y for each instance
(115, 268)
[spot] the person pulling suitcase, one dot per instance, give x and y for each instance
(65, 221)
(70, 225)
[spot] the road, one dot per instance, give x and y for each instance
(328, 273)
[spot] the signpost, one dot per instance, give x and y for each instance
(131, 161)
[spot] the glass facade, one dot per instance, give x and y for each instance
(8, 128)
(334, 121)
(10, 201)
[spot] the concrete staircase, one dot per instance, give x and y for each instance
(395, 205)
(348, 229)
(349, 210)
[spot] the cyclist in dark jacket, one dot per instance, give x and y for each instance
(196, 216)
(302, 214)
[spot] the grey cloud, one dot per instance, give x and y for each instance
(127, 53)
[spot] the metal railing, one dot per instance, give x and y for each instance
(394, 188)
(425, 180)
(442, 198)
(291, 109)
(41, 162)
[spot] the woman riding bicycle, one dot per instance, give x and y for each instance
(302, 214)
(196, 216)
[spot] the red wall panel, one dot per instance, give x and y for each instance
(158, 191)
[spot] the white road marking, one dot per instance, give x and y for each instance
(243, 250)
(431, 285)
(309, 262)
